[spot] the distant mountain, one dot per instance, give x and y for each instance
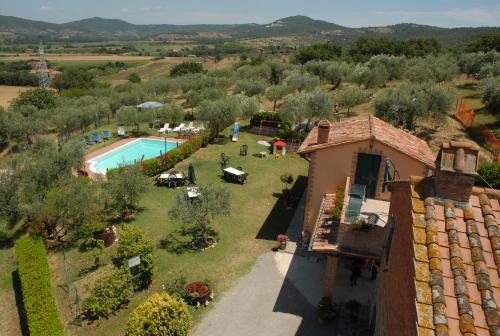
(95, 29)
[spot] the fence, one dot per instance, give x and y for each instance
(482, 134)
(465, 113)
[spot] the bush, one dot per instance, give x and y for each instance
(176, 286)
(109, 294)
(161, 314)
(186, 68)
(132, 243)
(39, 304)
(490, 171)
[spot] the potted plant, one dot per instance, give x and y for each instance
(282, 240)
(199, 293)
(326, 310)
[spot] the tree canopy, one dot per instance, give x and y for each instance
(326, 51)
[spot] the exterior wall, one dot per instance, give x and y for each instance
(397, 312)
(330, 167)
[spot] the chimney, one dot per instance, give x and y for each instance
(456, 170)
(323, 131)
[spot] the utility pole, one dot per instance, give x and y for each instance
(42, 70)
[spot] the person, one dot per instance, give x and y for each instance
(374, 271)
(355, 274)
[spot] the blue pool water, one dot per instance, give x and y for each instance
(131, 152)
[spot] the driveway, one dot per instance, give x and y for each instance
(278, 297)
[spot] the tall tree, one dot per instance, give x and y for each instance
(350, 96)
(125, 185)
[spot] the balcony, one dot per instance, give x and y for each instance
(360, 230)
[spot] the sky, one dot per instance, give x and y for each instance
(350, 13)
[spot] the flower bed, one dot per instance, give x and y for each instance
(198, 293)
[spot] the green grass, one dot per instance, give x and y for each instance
(256, 217)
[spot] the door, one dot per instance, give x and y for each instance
(367, 170)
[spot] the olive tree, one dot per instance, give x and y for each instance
(125, 185)
(250, 87)
(490, 90)
(299, 80)
(277, 92)
(350, 96)
(336, 73)
(369, 77)
(219, 113)
(197, 216)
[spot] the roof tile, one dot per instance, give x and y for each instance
(369, 127)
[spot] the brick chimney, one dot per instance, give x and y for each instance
(456, 170)
(323, 131)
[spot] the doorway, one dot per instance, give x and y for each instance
(367, 170)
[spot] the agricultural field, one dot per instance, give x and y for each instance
(8, 93)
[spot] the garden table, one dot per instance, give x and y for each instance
(234, 175)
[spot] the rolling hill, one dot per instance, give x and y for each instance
(96, 29)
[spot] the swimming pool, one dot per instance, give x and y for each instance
(129, 153)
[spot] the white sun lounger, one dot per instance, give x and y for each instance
(180, 128)
(165, 129)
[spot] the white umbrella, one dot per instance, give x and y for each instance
(264, 143)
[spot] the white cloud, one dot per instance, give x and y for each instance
(126, 10)
(45, 8)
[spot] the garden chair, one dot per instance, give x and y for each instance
(224, 160)
(244, 150)
(105, 135)
(190, 126)
(96, 137)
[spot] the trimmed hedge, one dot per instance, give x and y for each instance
(39, 304)
(168, 160)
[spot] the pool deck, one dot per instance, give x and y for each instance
(115, 145)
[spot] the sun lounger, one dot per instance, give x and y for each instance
(190, 127)
(121, 131)
(105, 135)
(165, 129)
(88, 141)
(96, 137)
(180, 128)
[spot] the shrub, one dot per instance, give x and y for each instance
(170, 159)
(186, 68)
(176, 286)
(336, 211)
(490, 171)
(40, 307)
(132, 243)
(109, 294)
(161, 314)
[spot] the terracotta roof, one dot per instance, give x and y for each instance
(369, 127)
(457, 262)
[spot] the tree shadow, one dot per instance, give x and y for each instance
(280, 216)
(426, 133)
(18, 293)
(185, 239)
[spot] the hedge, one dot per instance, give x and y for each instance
(39, 304)
(168, 160)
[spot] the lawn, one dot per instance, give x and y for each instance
(257, 215)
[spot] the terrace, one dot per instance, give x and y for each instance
(360, 230)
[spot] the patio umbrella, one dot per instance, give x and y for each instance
(264, 143)
(191, 175)
(387, 176)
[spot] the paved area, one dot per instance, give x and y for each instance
(278, 297)
(280, 294)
